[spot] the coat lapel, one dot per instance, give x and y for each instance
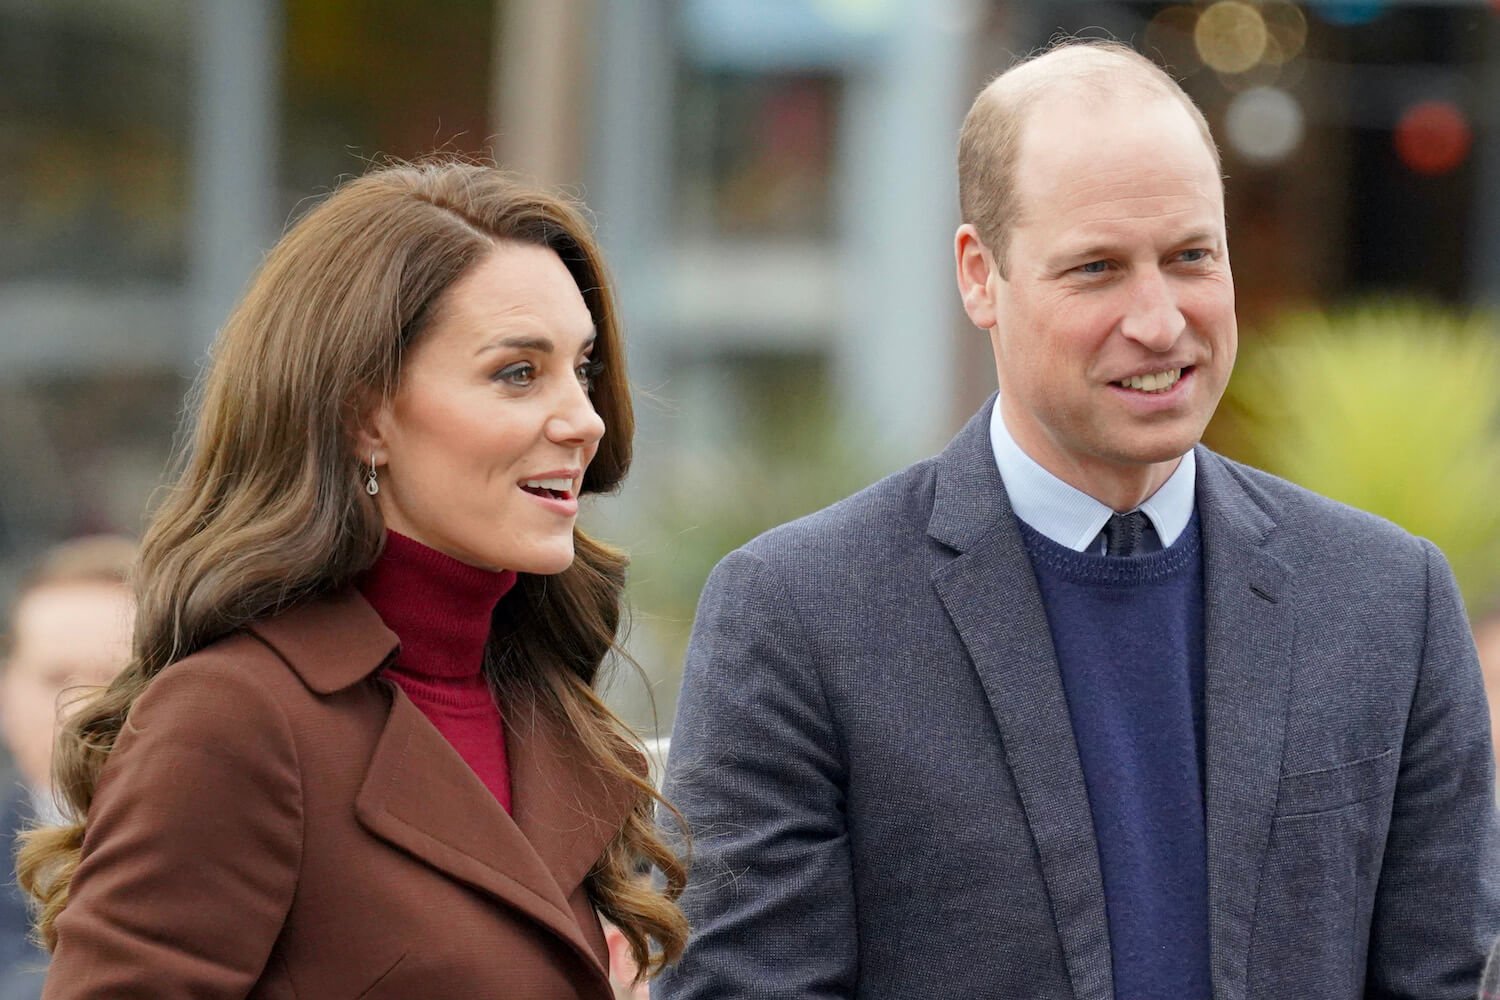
(991, 595)
(419, 795)
(567, 811)
(1247, 646)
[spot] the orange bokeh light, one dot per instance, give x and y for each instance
(1433, 137)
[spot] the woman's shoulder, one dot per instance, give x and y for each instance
(234, 683)
(279, 666)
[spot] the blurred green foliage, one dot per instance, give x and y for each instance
(1393, 408)
(776, 451)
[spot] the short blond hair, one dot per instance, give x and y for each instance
(990, 140)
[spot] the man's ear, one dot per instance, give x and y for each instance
(976, 277)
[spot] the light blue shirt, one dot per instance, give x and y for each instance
(1070, 516)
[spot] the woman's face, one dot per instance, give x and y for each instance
(481, 451)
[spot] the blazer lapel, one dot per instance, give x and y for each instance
(421, 796)
(990, 593)
(1247, 647)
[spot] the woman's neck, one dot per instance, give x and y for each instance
(438, 607)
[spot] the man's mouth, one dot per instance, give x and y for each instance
(1153, 381)
(554, 489)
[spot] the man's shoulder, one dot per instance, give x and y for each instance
(1310, 524)
(873, 523)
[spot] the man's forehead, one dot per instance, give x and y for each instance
(1092, 145)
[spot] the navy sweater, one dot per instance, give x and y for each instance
(1129, 640)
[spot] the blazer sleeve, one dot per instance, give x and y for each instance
(1437, 907)
(757, 770)
(192, 847)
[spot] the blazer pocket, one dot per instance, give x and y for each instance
(377, 988)
(1330, 788)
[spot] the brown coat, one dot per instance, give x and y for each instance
(278, 821)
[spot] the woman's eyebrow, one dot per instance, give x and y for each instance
(542, 344)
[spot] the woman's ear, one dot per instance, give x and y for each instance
(372, 420)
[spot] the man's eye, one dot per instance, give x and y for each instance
(1194, 256)
(520, 374)
(1095, 267)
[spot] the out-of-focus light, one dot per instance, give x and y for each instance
(1231, 36)
(1169, 40)
(1286, 31)
(1262, 74)
(1349, 13)
(1264, 125)
(1433, 137)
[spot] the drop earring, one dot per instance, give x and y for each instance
(372, 486)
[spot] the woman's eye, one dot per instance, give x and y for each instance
(588, 371)
(521, 374)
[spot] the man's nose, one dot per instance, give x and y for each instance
(1152, 316)
(575, 421)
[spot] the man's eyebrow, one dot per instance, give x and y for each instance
(1199, 236)
(1098, 250)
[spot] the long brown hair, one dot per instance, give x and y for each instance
(268, 511)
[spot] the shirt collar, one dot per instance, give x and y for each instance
(1069, 516)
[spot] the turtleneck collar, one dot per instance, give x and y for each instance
(438, 607)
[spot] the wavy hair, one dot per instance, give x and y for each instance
(267, 509)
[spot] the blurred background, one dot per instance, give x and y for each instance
(774, 183)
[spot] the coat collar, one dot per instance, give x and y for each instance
(421, 796)
(331, 642)
(990, 593)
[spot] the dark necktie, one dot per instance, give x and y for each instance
(1123, 533)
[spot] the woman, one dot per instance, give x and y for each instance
(358, 751)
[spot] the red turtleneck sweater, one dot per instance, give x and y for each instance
(440, 610)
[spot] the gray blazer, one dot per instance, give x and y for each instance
(874, 753)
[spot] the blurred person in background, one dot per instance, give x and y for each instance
(358, 750)
(1079, 708)
(68, 634)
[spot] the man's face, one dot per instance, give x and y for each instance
(66, 636)
(1114, 333)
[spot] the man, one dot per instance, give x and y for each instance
(68, 633)
(1079, 708)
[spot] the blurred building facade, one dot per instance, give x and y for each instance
(773, 180)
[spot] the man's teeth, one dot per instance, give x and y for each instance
(555, 485)
(1154, 382)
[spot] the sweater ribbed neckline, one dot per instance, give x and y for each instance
(440, 610)
(1113, 571)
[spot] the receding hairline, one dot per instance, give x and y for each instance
(1099, 73)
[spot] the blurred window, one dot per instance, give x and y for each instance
(754, 153)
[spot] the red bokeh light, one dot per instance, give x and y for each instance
(1433, 137)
